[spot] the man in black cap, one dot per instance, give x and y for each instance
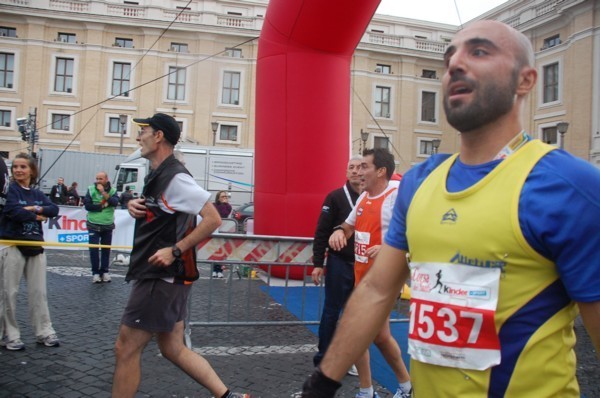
(165, 217)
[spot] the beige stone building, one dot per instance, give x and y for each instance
(81, 64)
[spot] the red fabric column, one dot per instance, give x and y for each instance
(303, 109)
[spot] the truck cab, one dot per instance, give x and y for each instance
(214, 169)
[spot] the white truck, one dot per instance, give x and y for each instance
(74, 166)
(214, 169)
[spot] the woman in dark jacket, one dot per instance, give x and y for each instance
(26, 208)
(222, 204)
(224, 209)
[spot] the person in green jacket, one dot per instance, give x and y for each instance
(100, 202)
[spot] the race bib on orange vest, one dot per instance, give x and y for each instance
(362, 242)
(452, 311)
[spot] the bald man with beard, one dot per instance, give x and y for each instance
(502, 221)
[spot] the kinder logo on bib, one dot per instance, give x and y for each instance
(423, 282)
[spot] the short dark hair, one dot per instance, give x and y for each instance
(32, 165)
(382, 158)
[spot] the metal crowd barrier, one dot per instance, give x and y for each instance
(268, 283)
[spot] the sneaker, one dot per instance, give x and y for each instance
(214, 274)
(353, 371)
(13, 345)
(219, 274)
(106, 278)
(96, 279)
(400, 393)
(365, 395)
(49, 341)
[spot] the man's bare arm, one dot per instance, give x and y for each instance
(339, 238)
(211, 220)
(590, 313)
(368, 307)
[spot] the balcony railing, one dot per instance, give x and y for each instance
(235, 21)
(126, 11)
(70, 5)
(405, 42)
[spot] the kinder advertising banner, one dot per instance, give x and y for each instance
(70, 227)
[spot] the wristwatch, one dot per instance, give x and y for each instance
(176, 251)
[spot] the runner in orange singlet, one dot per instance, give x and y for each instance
(369, 221)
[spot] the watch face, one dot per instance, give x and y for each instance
(176, 251)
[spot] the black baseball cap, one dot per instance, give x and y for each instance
(167, 124)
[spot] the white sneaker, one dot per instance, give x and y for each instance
(13, 345)
(219, 274)
(214, 274)
(96, 279)
(106, 278)
(353, 371)
(49, 341)
(401, 394)
(365, 395)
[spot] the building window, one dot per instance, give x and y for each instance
(550, 135)
(120, 79)
(233, 52)
(8, 32)
(427, 106)
(551, 42)
(382, 101)
(5, 118)
(228, 133)
(425, 147)
(121, 42)
(383, 69)
(61, 122)
(239, 14)
(429, 74)
(550, 83)
(231, 88)
(176, 88)
(179, 47)
(381, 142)
(67, 37)
(115, 126)
(63, 79)
(7, 69)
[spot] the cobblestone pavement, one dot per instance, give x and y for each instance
(266, 361)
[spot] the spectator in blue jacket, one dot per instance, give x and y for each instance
(25, 210)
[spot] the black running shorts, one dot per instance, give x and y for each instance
(155, 305)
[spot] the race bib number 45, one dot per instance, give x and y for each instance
(452, 313)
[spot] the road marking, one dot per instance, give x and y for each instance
(256, 350)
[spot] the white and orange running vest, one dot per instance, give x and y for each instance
(371, 218)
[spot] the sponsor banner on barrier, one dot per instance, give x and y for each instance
(70, 227)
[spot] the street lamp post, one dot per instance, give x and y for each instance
(562, 128)
(214, 126)
(364, 136)
(123, 122)
(435, 143)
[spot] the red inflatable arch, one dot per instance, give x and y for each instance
(303, 110)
